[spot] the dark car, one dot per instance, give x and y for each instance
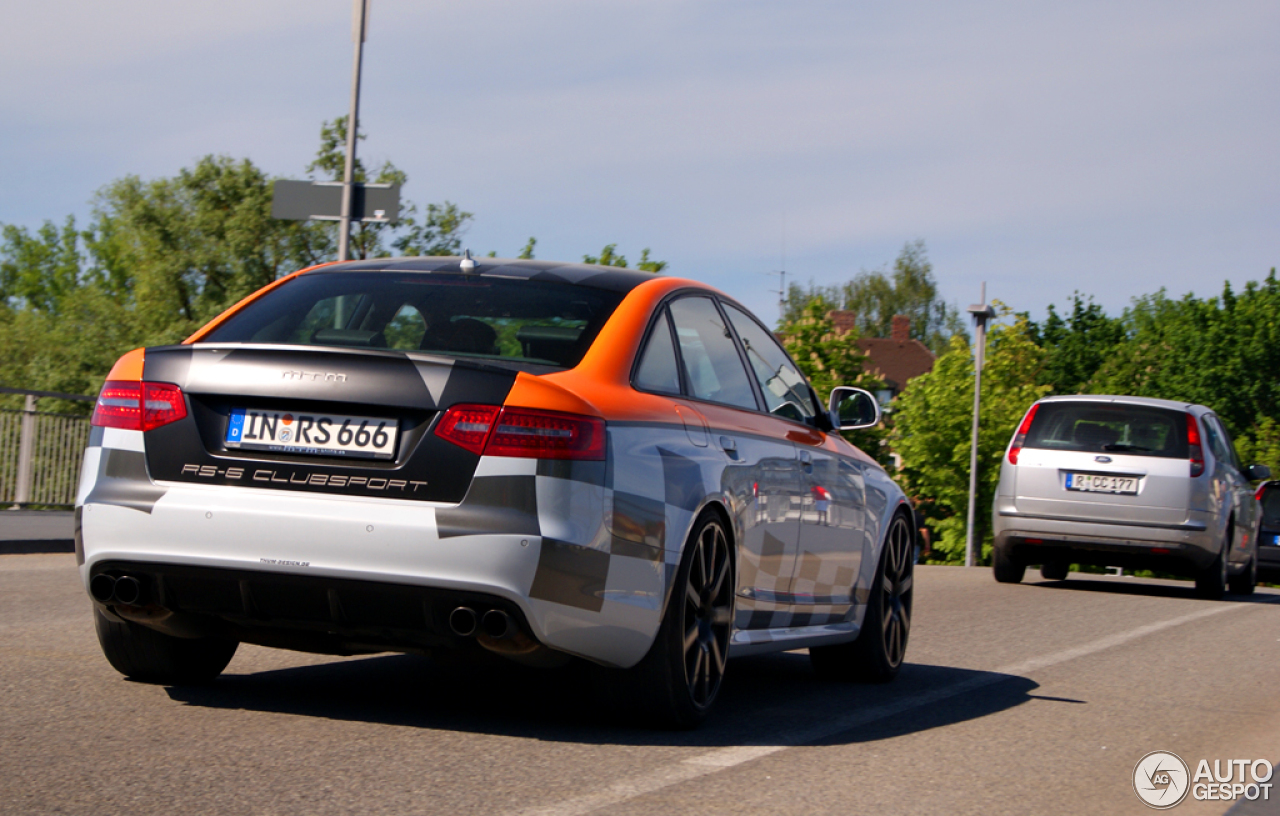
(1269, 536)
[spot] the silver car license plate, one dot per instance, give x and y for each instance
(311, 433)
(1098, 483)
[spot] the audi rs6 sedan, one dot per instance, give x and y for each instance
(545, 461)
(1128, 482)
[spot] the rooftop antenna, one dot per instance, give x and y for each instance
(781, 291)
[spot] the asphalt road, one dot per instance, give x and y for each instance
(1038, 698)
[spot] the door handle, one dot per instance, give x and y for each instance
(727, 444)
(806, 457)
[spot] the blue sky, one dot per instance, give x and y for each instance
(1111, 148)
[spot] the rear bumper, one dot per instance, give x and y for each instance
(1172, 548)
(341, 574)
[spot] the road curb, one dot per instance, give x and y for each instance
(38, 545)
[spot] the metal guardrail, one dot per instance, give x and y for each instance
(40, 453)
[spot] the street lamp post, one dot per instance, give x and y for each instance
(359, 29)
(982, 312)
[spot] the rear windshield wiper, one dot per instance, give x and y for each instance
(1119, 447)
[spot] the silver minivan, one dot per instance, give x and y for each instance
(1127, 482)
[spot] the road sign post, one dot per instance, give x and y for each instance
(359, 30)
(981, 312)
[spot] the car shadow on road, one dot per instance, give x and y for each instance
(766, 700)
(1139, 586)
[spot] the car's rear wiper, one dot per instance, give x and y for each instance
(1120, 447)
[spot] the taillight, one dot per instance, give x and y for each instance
(1021, 436)
(468, 426)
(138, 406)
(546, 435)
(522, 432)
(119, 406)
(1194, 451)
(162, 404)
(1262, 488)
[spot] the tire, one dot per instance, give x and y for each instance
(1211, 582)
(679, 678)
(1055, 570)
(878, 653)
(1006, 568)
(144, 654)
(1244, 583)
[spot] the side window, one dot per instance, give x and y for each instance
(658, 370)
(710, 355)
(786, 393)
(1228, 448)
(1216, 443)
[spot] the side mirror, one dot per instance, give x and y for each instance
(1258, 472)
(853, 408)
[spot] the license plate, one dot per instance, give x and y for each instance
(311, 433)
(1097, 483)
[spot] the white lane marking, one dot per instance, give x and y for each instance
(723, 758)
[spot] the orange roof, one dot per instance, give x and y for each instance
(896, 361)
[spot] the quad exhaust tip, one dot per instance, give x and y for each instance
(128, 590)
(102, 587)
(125, 590)
(497, 624)
(462, 621)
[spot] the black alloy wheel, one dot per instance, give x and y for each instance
(881, 646)
(896, 588)
(707, 614)
(674, 685)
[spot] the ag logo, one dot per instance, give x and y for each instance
(1161, 779)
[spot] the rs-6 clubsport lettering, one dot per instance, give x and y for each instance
(546, 461)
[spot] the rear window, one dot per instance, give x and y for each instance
(538, 322)
(1109, 428)
(1271, 507)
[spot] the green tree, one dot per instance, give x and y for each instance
(1077, 345)
(191, 245)
(607, 257)
(526, 254)
(70, 351)
(1220, 352)
(932, 426)
(437, 231)
(876, 296)
(39, 271)
(830, 358)
(1261, 444)
(610, 257)
(647, 265)
(440, 232)
(162, 256)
